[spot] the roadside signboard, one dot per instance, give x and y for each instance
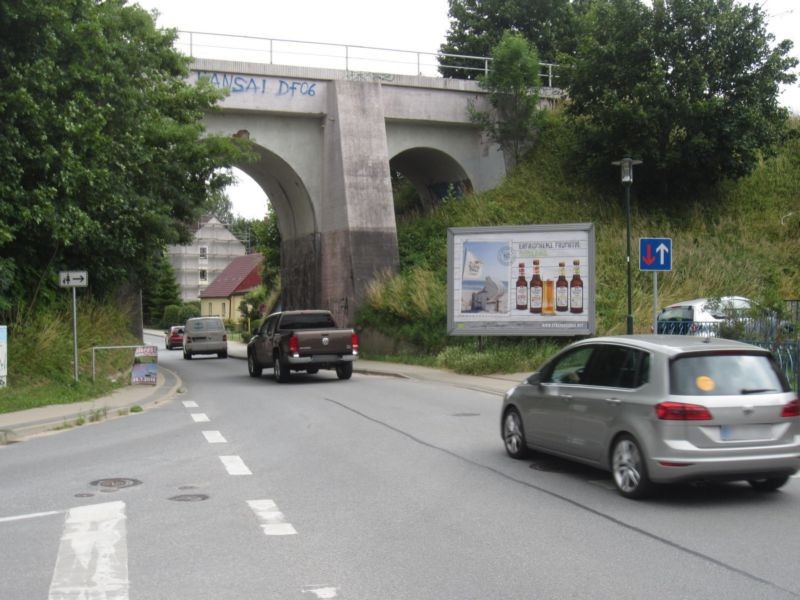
(145, 365)
(521, 280)
(655, 254)
(73, 278)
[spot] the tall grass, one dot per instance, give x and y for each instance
(40, 356)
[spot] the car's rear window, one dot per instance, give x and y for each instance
(677, 313)
(310, 321)
(207, 325)
(721, 374)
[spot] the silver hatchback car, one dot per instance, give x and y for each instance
(660, 409)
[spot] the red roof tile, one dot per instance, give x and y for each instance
(244, 273)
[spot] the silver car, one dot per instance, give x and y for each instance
(660, 409)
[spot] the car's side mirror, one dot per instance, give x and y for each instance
(534, 379)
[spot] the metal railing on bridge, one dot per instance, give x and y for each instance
(349, 58)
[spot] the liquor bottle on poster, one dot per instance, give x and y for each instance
(576, 289)
(562, 289)
(536, 289)
(522, 289)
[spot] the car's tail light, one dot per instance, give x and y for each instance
(224, 337)
(678, 411)
(792, 409)
(354, 342)
(294, 344)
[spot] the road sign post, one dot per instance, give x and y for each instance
(74, 280)
(655, 254)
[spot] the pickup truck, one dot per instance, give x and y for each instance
(301, 340)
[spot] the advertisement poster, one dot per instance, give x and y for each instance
(521, 280)
(145, 365)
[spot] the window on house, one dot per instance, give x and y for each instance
(210, 312)
(223, 309)
(203, 251)
(203, 275)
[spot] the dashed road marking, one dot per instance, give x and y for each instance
(189, 404)
(272, 520)
(235, 465)
(214, 437)
(320, 591)
(92, 558)
(200, 417)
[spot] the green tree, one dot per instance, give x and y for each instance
(513, 89)
(268, 243)
(688, 86)
(219, 205)
(477, 26)
(159, 291)
(104, 159)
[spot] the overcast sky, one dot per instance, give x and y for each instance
(418, 25)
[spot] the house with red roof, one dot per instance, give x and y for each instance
(224, 295)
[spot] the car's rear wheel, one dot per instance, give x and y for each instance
(253, 368)
(280, 370)
(187, 355)
(770, 484)
(344, 371)
(222, 354)
(629, 468)
(514, 434)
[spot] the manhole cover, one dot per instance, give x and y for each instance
(84, 495)
(187, 487)
(467, 415)
(189, 498)
(115, 483)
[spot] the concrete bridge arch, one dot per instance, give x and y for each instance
(327, 140)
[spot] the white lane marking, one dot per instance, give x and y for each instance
(92, 561)
(320, 591)
(200, 417)
(189, 404)
(235, 465)
(30, 516)
(214, 437)
(272, 520)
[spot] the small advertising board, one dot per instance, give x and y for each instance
(535, 280)
(145, 365)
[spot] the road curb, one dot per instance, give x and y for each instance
(111, 405)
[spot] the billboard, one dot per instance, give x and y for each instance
(521, 280)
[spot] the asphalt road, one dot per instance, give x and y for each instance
(373, 488)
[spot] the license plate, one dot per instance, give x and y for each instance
(738, 433)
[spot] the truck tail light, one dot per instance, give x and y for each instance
(294, 344)
(678, 411)
(224, 337)
(354, 342)
(792, 409)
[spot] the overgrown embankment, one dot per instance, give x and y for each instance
(40, 356)
(740, 239)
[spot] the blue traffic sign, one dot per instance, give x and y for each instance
(655, 254)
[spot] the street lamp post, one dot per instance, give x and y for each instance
(626, 176)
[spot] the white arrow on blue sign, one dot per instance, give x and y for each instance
(655, 254)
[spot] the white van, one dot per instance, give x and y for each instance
(205, 335)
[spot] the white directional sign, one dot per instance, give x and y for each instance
(73, 278)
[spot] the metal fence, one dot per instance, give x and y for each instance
(349, 58)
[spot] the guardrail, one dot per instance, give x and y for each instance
(346, 57)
